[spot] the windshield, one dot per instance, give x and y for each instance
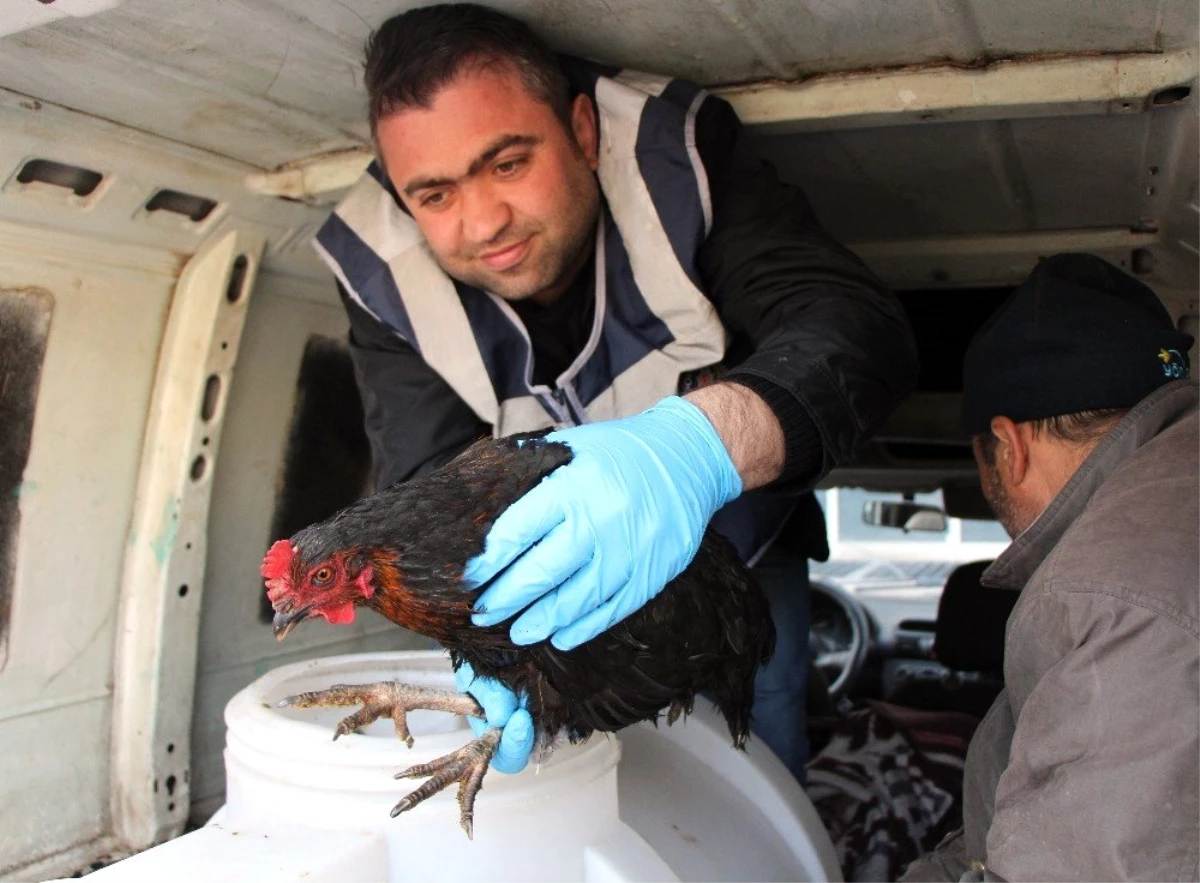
(862, 555)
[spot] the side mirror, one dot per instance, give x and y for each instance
(906, 516)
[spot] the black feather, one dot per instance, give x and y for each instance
(708, 631)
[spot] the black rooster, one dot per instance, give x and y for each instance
(401, 552)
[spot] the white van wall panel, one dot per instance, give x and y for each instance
(135, 166)
(1052, 27)
(889, 171)
(235, 645)
(303, 55)
(20, 15)
(1002, 177)
(55, 782)
(1177, 186)
(111, 268)
(268, 81)
(133, 69)
(82, 470)
(77, 498)
(1110, 161)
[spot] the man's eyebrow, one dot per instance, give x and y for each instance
(499, 145)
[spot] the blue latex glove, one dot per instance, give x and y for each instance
(502, 709)
(601, 536)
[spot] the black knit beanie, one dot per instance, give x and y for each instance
(1077, 335)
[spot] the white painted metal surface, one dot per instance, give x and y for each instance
(273, 82)
(110, 266)
(1060, 86)
(135, 166)
(163, 582)
(998, 259)
(1002, 176)
(1007, 90)
(1066, 86)
(76, 502)
(20, 15)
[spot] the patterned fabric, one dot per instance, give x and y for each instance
(888, 786)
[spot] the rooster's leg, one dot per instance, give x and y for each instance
(467, 766)
(386, 699)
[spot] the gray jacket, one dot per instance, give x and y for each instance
(1086, 767)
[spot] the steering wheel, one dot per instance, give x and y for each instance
(839, 636)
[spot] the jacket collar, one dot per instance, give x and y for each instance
(1161, 409)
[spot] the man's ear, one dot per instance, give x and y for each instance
(583, 127)
(1012, 450)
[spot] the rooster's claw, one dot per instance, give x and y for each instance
(467, 766)
(385, 699)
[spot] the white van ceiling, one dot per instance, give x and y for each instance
(272, 81)
(950, 141)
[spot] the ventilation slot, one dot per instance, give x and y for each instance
(1174, 95)
(79, 181)
(212, 398)
(237, 281)
(194, 208)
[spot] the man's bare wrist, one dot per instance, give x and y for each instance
(748, 428)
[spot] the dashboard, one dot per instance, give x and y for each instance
(897, 624)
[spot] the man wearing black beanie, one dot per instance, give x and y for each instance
(1085, 431)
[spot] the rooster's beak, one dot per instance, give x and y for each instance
(285, 622)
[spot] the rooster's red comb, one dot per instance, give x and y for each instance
(278, 560)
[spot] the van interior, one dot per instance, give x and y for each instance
(176, 393)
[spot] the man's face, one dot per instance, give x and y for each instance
(503, 192)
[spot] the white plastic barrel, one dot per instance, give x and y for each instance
(665, 803)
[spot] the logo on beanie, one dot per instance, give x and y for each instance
(1174, 364)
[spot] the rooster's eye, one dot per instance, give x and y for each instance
(323, 577)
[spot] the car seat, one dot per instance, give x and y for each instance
(969, 642)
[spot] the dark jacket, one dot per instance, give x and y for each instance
(813, 331)
(1086, 767)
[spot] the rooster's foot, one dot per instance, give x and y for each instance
(467, 766)
(385, 699)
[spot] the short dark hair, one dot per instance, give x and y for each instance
(413, 55)
(1081, 428)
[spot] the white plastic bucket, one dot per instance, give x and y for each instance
(665, 803)
(283, 769)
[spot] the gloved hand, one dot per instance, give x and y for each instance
(611, 528)
(504, 709)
